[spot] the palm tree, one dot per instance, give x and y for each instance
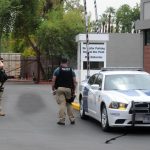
(103, 20)
(110, 11)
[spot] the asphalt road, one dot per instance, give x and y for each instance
(30, 124)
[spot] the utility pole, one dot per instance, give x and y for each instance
(87, 39)
(96, 16)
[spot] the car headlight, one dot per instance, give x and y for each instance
(118, 105)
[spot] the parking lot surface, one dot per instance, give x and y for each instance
(30, 124)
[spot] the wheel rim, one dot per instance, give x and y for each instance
(81, 108)
(104, 118)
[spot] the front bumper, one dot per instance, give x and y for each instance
(137, 114)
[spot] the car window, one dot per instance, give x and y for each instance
(92, 79)
(99, 80)
(127, 82)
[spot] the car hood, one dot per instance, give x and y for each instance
(129, 95)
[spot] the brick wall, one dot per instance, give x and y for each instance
(147, 58)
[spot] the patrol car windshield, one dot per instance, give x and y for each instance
(127, 82)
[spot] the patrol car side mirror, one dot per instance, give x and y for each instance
(95, 87)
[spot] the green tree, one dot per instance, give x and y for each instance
(120, 20)
(95, 26)
(57, 35)
(135, 15)
(26, 25)
(73, 4)
(8, 12)
(49, 33)
(73, 24)
(124, 18)
(43, 19)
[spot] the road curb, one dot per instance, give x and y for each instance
(28, 81)
(76, 105)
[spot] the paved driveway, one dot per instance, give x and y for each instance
(30, 124)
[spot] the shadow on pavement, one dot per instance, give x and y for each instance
(30, 103)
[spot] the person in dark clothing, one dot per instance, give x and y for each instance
(64, 85)
(1, 88)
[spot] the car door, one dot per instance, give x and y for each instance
(91, 94)
(97, 93)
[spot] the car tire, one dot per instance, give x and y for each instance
(104, 119)
(82, 111)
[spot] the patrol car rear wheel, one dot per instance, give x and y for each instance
(82, 111)
(104, 119)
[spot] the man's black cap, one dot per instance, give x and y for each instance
(64, 60)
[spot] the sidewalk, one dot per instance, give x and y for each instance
(28, 81)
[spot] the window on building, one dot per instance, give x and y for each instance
(93, 65)
(147, 37)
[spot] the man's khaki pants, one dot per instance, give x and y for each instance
(62, 94)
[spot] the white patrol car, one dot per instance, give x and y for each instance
(117, 97)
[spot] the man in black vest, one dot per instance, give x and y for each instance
(64, 83)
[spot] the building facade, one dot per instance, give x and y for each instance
(108, 50)
(144, 26)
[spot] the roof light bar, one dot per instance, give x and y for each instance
(122, 68)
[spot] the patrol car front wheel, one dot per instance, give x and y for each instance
(104, 119)
(82, 111)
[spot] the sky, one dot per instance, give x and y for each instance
(103, 4)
